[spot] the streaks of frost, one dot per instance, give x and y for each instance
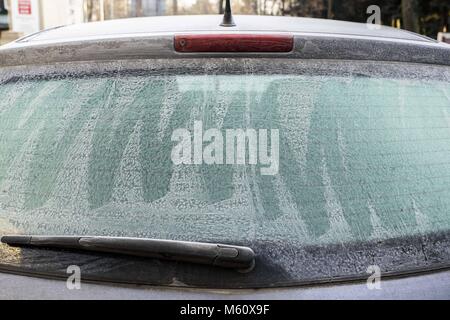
(241, 199)
(445, 90)
(13, 189)
(295, 115)
(71, 190)
(290, 221)
(402, 103)
(6, 227)
(223, 101)
(171, 98)
(186, 212)
(446, 93)
(69, 201)
(378, 230)
(339, 229)
(246, 201)
(36, 102)
(128, 182)
(342, 145)
(186, 188)
(78, 99)
(9, 97)
(423, 223)
(242, 207)
(246, 206)
(124, 93)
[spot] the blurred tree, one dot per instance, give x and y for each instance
(139, 10)
(410, 15)
(435, 17)
(307, 8)
(244, 6)
(202, 7)
(424, 16)
(91, 10)
(330, 12)
(175, 6)
(2, 7)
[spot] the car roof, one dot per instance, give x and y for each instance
(211, 23)
(153, 38)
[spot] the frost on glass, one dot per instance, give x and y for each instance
(360, 158)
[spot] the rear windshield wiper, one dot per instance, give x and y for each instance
(226, 256)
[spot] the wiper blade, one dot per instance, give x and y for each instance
(225, 256)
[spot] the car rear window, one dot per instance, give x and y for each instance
(336, 154)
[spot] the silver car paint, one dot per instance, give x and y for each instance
(429, 286)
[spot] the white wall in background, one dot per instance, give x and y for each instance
(444, 37)
(25, 16)
(61, 12)
(29, 16)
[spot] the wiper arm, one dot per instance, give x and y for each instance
(226, 256)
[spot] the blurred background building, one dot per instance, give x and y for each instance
(95, 10)
(22, 17)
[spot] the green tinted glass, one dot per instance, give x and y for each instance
(360, 158)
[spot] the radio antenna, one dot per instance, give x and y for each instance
(228, 16)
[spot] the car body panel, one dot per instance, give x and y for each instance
(150, 38)
(211, 23)
(426, 286)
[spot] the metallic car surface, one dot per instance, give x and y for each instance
(427, 286)
(210, 23)
(154, 38)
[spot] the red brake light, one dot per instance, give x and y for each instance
(234, 43)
